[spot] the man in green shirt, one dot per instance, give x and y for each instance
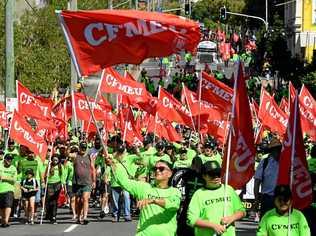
(206, 209)
(158, 203)
(8, 174)
(276, 221)
(210, 153)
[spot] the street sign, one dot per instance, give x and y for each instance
(11, 104)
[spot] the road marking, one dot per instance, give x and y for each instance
(70, 228)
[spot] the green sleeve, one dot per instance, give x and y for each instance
(304, 228)
(262, 228)
(136, 188)
(194, 209)
(173, 201)
(237, 205)
(63, 176)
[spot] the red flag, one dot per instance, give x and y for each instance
(218, 129)
(109, 122)
(101, 38)
(173, 135)
(270, 115)
(22, 133)
(284, 106)
(2, 107)
(292, 92)
(29, 105)
(308, 113)
(301, 184)
(64, 104)
(192, 101)
(216, 92)
(113, 82)
(4, 119)
(128, 130)
(235, 37)
(172, 110)
(242, 153)
(82, 107)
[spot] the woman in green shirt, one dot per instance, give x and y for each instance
(158, 203)
(55, 179)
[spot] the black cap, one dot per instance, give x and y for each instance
(8, 156)
(83, 145)
(283, 192)
(29, 172)
(169, 146)
(183, 150)
(211, 168)
(160, 145)
(210, 144)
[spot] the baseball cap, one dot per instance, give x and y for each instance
(211, 168)
(160, 145)
(8, 157)
(283, 192)
(83, 145)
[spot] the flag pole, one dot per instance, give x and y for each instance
(96, 95)
(125, 126)
(92, 115)
(292, 157)
(155, 125)
(230, 133)
(46, 182)
(74, 110)
(186, 99)
(200, 95)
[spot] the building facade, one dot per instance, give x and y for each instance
(300, 21)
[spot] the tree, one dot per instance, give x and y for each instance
(207, 11)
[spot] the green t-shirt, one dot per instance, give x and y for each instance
(153, 220)
(36, 165)
(10, 173)
(273, 224)
(312, 165)
(215, 157)
(185, 163)
(126, 161)
(56, 177)
(68, 172)
(208, 205)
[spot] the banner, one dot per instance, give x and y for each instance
(243, 151)
(82, 107)
(308, 113)
(216, 92)
(30, 106)
(22, 133)
(101, 38)
(301, 184)
(113, 82)
(270, 115)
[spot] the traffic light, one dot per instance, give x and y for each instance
(187, 8)
(222, 13)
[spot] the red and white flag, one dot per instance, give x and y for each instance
(101, 38)
(270, 115)
(29, 105)
(22, 133)
(242, 153)
(113, 82)
(82, 107)
(293, 149)
(308, 113)
(284, 106)
(216, 92)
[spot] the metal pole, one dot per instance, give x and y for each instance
(72, 5)
(266, 12)
(136, 4)
(148, 5)
(110, 4)
(9, 50)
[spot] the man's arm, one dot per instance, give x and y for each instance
(93, 172)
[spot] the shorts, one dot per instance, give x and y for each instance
(70, 192)
(6, 200)
(104, 188)
(26, 196)
(78, 190)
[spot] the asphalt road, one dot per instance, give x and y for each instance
(96, 227)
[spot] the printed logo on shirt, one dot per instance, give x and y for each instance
(216, 200)
(282, 227)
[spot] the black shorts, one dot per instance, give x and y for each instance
(6, 200)
(104, 188)
(28, 195)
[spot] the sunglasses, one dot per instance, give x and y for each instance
(159, 168)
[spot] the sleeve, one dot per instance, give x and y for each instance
(262, 227)
(194, 209)
(237, 204)
(173, 201)
(63, 175)
(304, 228)
(258, 173)
(136, 188)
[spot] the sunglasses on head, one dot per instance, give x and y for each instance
(159, 168)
